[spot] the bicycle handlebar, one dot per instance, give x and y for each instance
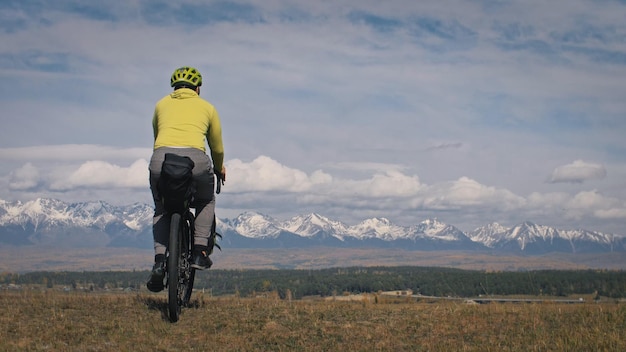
(220, 182)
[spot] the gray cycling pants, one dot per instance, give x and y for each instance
(204, 202)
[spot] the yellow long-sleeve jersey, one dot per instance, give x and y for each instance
(184, 119)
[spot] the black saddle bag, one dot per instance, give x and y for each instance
(176, 185)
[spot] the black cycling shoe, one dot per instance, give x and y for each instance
(201, 260)
(155, 284)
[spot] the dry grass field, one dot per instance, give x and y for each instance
(52, 320)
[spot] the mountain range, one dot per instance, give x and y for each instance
(50, 222)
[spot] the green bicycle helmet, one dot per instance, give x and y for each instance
(186, 76)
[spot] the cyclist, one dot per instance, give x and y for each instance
(182, 122)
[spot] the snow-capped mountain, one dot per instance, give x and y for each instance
(254, 225)
(315, 229)
(377, 228)
(89, 224)
(489, 235)
(52, 222)
(314, 224)
(532, 238)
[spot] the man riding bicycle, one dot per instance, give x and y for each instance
(182, 122)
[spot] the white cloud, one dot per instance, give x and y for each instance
(390, 184)
(466, 192)
(614, 213)
(588, 200)
(584, 204)
(25, 178)
(590, 203)
(104, 175)
(577, 172)
(266, 174)
(380, 189)
(550, 201)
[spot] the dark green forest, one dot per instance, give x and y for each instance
(428, 281)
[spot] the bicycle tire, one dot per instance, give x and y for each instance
(173, 260)
(188, 273)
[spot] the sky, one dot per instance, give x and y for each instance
(470, 112)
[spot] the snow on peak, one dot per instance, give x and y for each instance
(377, 228)
(489, 234)
(312, 224)
(434, 225)
(528, 232)
(37, 212)
(433, 228)
(252, 224)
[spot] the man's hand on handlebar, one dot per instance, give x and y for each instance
(221, 178)
(222, 175)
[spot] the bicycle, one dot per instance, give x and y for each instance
(177, 189)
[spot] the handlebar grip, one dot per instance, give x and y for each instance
(218, 187)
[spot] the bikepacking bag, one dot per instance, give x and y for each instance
(176, 184)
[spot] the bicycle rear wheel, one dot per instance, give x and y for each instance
(187, 273)
(173, 261)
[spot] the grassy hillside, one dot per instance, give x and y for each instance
(59, 321)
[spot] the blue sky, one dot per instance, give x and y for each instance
(469, 111)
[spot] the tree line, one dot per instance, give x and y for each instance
(428, 281)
